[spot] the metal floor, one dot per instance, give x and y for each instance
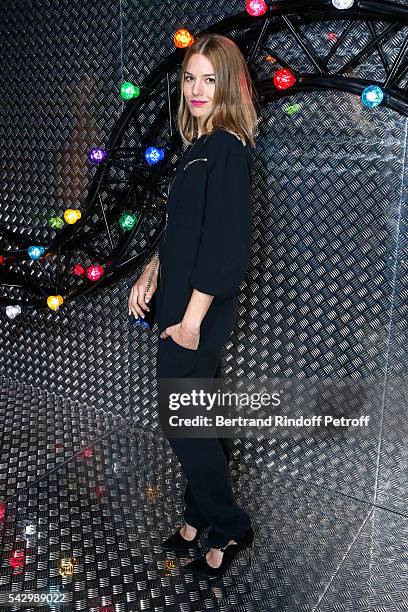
(97, 519)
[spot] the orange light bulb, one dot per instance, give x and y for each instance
(182, 38)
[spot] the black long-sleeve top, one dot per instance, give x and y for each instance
(207, 241)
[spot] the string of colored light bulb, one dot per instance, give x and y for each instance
(283, 79)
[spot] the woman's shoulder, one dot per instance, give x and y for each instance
(221, 137)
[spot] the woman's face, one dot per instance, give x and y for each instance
(199, 85)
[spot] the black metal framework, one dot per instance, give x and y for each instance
(126, 182)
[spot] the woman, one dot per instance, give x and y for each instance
(204, 256)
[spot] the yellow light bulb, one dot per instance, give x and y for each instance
(72, 215)
(54, 301)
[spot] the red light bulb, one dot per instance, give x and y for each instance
(87, 453)
(284, 79)
(94, 273)
(17, 558)
(78, 270)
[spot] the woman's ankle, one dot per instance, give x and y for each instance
(188, 531)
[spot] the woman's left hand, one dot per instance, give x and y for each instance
(183, 335)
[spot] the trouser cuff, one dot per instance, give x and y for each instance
(194, 522)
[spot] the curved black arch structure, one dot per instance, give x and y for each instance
(124, 181)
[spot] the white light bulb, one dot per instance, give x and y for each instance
(342, 4)
(13, 311)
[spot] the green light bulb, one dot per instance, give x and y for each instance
(127, 221)
(56, 222)
(291, 109)
(129, 91)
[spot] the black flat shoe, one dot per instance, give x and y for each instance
(177, 542)
(201, 567)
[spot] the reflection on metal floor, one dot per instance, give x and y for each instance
(89, 497)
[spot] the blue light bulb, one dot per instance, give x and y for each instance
(372, 96)
(35, 252)
(153, 155)
(140, 322)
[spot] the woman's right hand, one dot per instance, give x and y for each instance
(136, 302)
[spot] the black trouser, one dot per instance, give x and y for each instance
(209, 497)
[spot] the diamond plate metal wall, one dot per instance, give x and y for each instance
(325, 297)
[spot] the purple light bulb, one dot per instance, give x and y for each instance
(97, 155)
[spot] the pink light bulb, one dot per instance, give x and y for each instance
(255, 8)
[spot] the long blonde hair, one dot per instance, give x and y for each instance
(233, 107)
